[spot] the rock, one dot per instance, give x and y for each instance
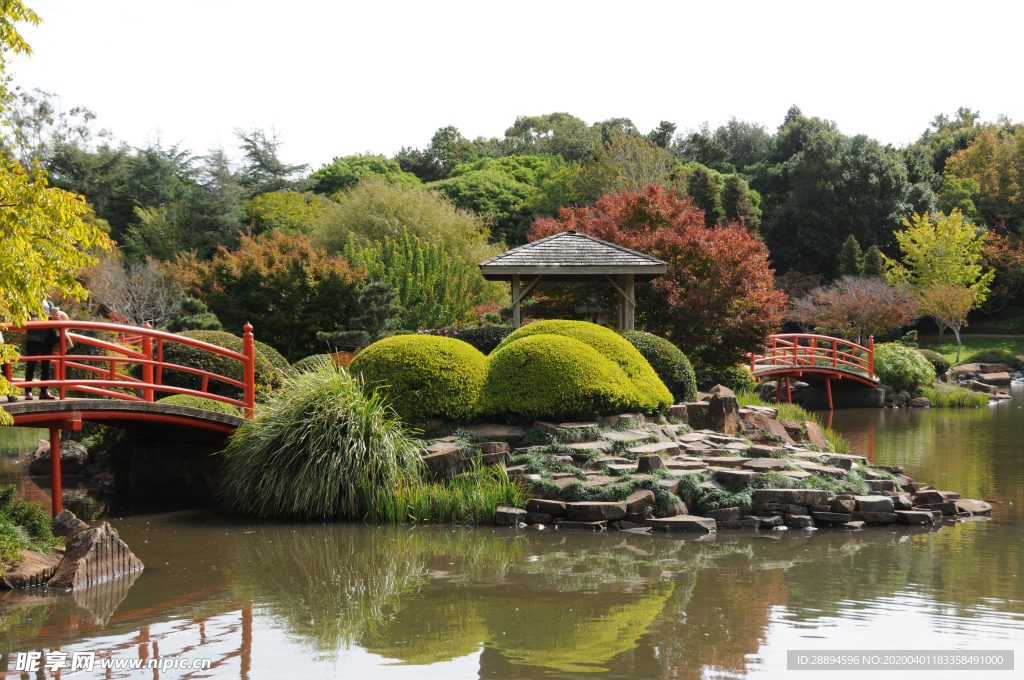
(66, 523)
(735, 477)
(973, 507)
(771, 427)
(874, 517)
(927, 498)
(790, 496)
(726, 461)
(874, 503)
(797, 521)
(725, 514)
(591, 446)
(724, 410)
(638, 500)
(34, 569)
(831, 517)
(638, 517)
(795, 474)
(666, 448)
(815, 436)
(650, 463)
(592, 511)
(920, 402)
(553, 508)
(769, 522)
(688, 523)
(679, 412)
(498, 433)
(570, 525)
(842, 505)
(851, 526)
(981, 387)
(671, 485)
(626, 420)
(902, 502)
(103, 482)
(749, 524)
(791, 427)
(913, 517)
(73, 458)
(508, 516)
(881, 484)
(686, 465)
(762, 451)
(627, 435)
(995, 378)
(444, 460)
(822, 470)
(533, 518)
(766, 464)
(695, 408)
(950, 495)
(494, 447)
(494, 458)
(94, 556)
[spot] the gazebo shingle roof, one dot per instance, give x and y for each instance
(571, 256)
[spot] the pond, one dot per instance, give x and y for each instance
(283, 600)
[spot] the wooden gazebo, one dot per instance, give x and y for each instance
(571, 256)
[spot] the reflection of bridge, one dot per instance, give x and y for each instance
(116, 381)
(805, 355)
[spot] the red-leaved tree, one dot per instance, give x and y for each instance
(717, 300)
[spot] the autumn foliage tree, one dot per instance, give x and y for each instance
(280, 283)
(717, 300)
(948, 304)
(1003, 255)
(856, 308)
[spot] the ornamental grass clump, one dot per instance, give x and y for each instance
(318, 448)
(950, 396)
(902, 367)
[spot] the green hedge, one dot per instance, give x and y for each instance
(668, 361)
(200, 402)
(484, 338)
(736, 378)
(425, 376)
(267, 376)
(902, 367)
(993, 356)
(275, 358)
(610, 345)
(310, 363)
(559, 378)
(938, 362)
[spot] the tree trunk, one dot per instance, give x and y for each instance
(956, 331)
(941, 328)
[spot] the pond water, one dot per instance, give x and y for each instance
(338, 600)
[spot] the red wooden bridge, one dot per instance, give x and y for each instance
(103, 387)
(805, 355)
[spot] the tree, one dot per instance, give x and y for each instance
(346, 171)
(856, 308)
(717, 300)
(557, 134)
(381, 316)
(280, 283)
(290, 212)
(732, 147)
(662, 135)
(874, 264)
(706, 194)
(626, 162)
(139, 293)
(851, 261)
(193, 315)
(1003, 255)
(37, 124)
(994, 166)
(262, 170)
(447, 149)
(740, 204)
(948, 304)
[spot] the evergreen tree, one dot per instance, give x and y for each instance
(706, 194)
(737, 205)
(381, 316)
(193, 315)
(874, 263)
(851, 260)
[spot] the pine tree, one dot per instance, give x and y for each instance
(874, 263)
(851, 260)
(737, 205)
(706, 194)
(381, 316)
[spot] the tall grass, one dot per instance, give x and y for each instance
(838, 442)
(950, 396)
(317, 448)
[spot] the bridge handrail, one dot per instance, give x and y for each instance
(786, 350)
(148, 384)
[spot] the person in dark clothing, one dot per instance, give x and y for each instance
(39, 342)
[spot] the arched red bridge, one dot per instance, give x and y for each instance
(806, 355)
(100, 388)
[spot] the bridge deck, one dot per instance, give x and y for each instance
(64, 413)
(814, 371)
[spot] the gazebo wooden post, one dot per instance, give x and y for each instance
(517, 319)
(627, 302)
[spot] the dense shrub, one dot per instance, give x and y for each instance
(994, 356)
(310, 363)
(559, 378)
(425, 376)
(318, 448)
(200, 402)
(668, 361)
(938, 362)
(484, 338)
(736, 378)
(902, 367)
(275, 358)
(267, 377)
(610, 345)
(23, 526)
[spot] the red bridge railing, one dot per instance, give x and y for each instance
(109, 382)
(809, 351)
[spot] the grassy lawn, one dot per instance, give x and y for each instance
(1014, 345)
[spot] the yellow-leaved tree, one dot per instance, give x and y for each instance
(942, 251)
(43, 237)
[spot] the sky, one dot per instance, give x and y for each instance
(339, 78)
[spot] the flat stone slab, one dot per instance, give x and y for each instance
(34, 569)
(736, 477)
(591, 446)
(873, 503)
(626, 435)
(594, 511)
(974, 507)
(749, 524)
(671, 485)
(660, 448)
(913, 517)
(507, 516)
(622, 468)
(694, 446)
(498, 433)
(874, 517)
(727, 461)
(795, 474)
(686, 465)
(683, 523)
(691, 437)
(826, 470)
(739, 447)
(797, 521)
(599, 480)
(831, 517)
(762, 451)
(766, 464)
(570, 525)
(790, 496)
(553, 508)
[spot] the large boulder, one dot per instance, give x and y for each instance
(724, 410)
(73, 458)
(33, 569)
(66, 523)
(94, 556)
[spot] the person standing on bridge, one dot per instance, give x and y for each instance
(40, 342)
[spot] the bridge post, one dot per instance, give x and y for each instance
(61, 368)
(55, 491)
(828, 391)
(250, 371)
(147, 369)
(871, 357)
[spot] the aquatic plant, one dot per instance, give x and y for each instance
(951, 396)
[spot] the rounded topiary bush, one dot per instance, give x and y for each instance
(993, 356)
(200, 402)
(425, 376)
(736, 378)
(484, 338)
(902, 367)
(668, 361)
(608, 344)
(275, 358)
(558, 378)
(938, 362)
(267, 376)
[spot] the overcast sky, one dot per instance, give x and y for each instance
(339, 78)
